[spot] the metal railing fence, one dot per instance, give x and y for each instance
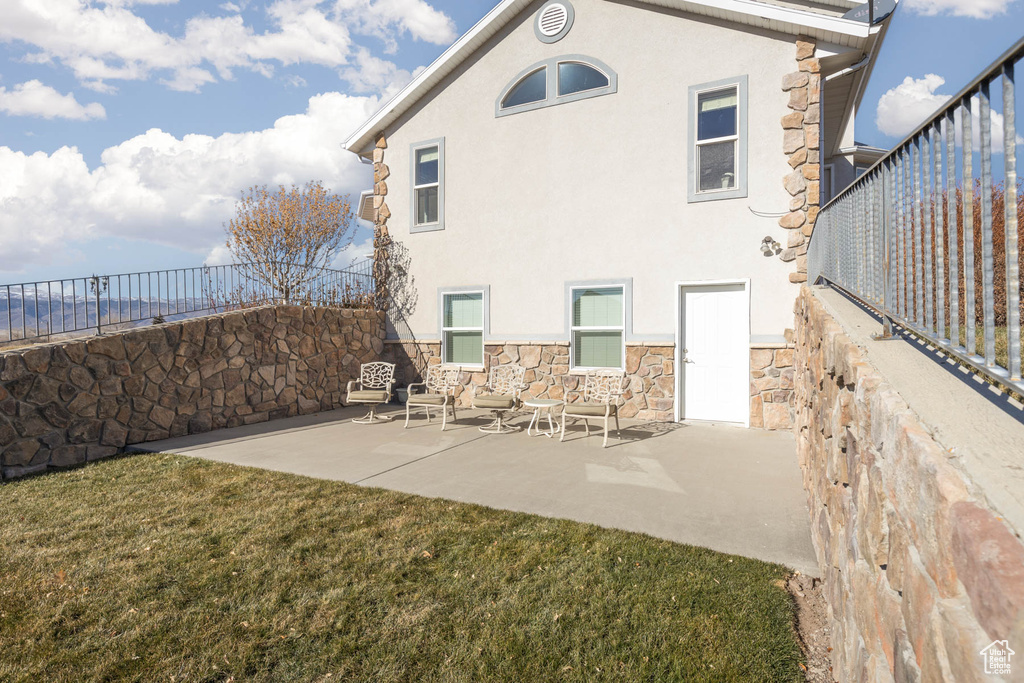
(926, 238)
(33, 311)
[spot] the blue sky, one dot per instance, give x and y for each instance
(129, 127)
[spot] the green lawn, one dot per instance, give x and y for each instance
(160, 568)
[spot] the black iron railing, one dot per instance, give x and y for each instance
(33, 311)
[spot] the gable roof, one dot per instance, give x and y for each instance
(783, 19)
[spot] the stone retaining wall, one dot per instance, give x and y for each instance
(65, 403)
(920, 572)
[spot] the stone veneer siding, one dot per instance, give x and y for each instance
(66, 403)
(771, 387)
(382, 242)
(801, 144)
(649, 369)
(920, 572)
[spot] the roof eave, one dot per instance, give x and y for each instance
(808, 23)
(876, 40)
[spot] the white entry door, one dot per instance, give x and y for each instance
(714, 354)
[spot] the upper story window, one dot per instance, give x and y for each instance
(533, 88)
(556, 81)
(427, 186)
(578, 77)
(718, 140)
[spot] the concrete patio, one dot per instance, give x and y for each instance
(730, 489)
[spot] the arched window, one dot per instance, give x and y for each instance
(578, 77)
(533, 88)
(556, 81)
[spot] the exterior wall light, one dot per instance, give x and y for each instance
(770, 246)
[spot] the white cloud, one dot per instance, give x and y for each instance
(368, 73)
(107, 41)
(905, 107)
(168, 190)
(33, 98)
(976, 9)
(379, 17)
(220, 255)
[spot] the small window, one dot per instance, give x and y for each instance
(428, 186)
(463, 328)
(533, 88)
(718, 141)
(598, 326)
(556, 81)
(576, 77)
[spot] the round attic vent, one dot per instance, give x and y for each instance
(553, 21)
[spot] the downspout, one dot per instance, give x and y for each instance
(849, 70)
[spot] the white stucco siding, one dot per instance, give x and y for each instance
(596, 189)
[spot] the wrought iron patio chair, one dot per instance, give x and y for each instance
(374, 388)
(600, 395)
(438, 391)
(500, 395)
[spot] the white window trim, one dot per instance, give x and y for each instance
(588, 328)
(439, 223)
(485, 292)
(552, 97)
(694, 194)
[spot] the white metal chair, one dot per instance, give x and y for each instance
(600, 394)
(374, 388)
(500, 395)
(438, 392)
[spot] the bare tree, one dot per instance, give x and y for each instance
(285, 239)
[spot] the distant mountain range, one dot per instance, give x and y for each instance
(31, 316)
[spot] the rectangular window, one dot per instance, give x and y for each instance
(462, 331)
(428, 186)
(598, 326)
(718, 140)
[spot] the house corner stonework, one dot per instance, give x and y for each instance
(381, 236)
(802, 146)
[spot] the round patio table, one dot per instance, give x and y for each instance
(540, 405)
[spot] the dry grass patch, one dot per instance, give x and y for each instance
(162, 567)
